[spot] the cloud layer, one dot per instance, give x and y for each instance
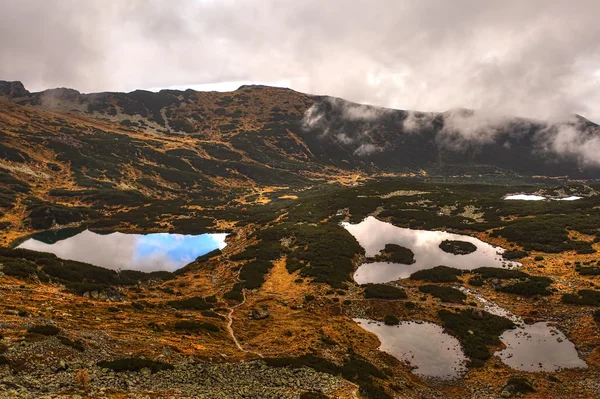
(535, 58)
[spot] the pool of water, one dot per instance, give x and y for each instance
(531, 197)
(372, 234)
(144, 252)
(539, 347)
(425, 346)
(535, 347)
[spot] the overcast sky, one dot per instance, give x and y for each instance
(531, 58)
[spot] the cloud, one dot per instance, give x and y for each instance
(536, 58)
(572, 140)
(366, 149)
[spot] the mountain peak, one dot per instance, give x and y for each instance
(12, 89)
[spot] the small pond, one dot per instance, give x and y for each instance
(532, 197)
(373, 234)
(538, 347)
(425, 346)
(143, 252)
(535, 347)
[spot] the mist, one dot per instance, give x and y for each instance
(537, 59)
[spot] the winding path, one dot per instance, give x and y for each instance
(230, 329)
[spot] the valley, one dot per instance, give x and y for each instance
(308, 202)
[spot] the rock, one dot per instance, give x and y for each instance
(258, 314)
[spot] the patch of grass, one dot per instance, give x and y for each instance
(445, 294)
(135, 364)
(438, 274)
(383, 291)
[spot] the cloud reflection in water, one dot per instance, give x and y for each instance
(150, 252)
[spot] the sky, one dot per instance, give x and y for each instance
(529, 58)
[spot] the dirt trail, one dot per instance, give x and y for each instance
(230, 329)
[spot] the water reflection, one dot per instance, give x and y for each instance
(150, 252)
(422, 345)
(538, 347)
(373, 234)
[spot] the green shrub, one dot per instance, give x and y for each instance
(532, 286)
(445, 294)
(514, 254)
(44, 329)
(196, 326)
(583, 297)
(499, 273)
(398, 254)
(391, 320)
(211, 314)
(135, 364)
(313, 395)
(519, 385)
(73, 344)
(193, 303)
(476, 330)
(438, 274)
(354, 369)
(383, 291)
(457, 247)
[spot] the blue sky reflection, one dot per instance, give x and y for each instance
(150, 252)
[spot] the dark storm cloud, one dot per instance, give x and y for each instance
(531, 58)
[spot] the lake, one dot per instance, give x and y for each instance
(143, 252)
(425, 346)
(372, 234)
